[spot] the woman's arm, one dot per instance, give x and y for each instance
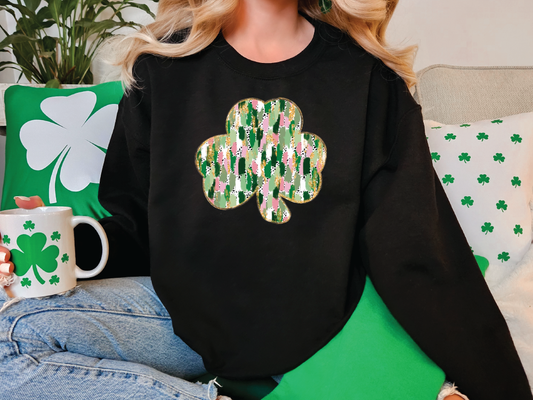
(419, 261)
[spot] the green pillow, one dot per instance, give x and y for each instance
(372, 357)
(56, 144)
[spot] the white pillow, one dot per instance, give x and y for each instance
(486, 169)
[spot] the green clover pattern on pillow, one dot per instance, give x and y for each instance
(486, 169)
(56, 144)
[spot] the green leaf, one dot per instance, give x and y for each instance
(482, 136)
(516, 138)
(54, 280)
(53, 83)
(32, 4)
(518, 230)
(16, 38)
(516, 181)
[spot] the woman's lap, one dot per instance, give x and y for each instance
(105, 339)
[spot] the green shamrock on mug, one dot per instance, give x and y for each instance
(32, 254)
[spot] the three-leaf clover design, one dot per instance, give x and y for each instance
(483, 178)
(6, 239)
(56, 236)
(32, 254)
(504, 256)
(64, 258)
(435, 156)
(499, 157)
(482, 136)
(516, 181)
(467, 201)
(518, 230)
(54, 280)
(75, 142)
(464, 125)
(450, 136)
(487, 228)
(28, 226)
(436, 127)
(501, 205)
(497, 121)
(516, 138)
(448, 179)
(25, 283)
(263, 152)
(464, 157)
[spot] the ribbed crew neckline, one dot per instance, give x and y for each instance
(281, 69)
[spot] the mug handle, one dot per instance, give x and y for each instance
(80, 273)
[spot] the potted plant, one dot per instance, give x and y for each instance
(65, 56)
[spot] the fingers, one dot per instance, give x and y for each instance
(6, 268)
(5, 255)
(28, 202)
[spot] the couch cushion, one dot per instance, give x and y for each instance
(56, 144)
(453, 95)
(486, 169)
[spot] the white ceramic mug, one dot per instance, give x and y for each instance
(41, 242)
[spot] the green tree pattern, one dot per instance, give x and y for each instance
(518, 230)
(503, 256)
(516, 181)
(499, 157)
(483, 178)
(487, 228)
(482, 136)
(448, 179)
(264, 153)
(465, 157)
(32, 254)
(501, 205)
(467, 201)
(450, 136)
(516, 138)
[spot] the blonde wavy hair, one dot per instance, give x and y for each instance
(364, 20)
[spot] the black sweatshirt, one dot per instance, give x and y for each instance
(332, 137)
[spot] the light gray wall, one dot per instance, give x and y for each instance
(466, 32)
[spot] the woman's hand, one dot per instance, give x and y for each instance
(6, 266)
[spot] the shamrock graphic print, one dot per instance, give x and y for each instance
(74, 141)
(263, 152)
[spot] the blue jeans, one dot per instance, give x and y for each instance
(107, 339)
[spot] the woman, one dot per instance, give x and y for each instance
(310, 171)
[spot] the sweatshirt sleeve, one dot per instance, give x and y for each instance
(124, 187)
(418, 259)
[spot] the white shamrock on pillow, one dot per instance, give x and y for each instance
(74, 141)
